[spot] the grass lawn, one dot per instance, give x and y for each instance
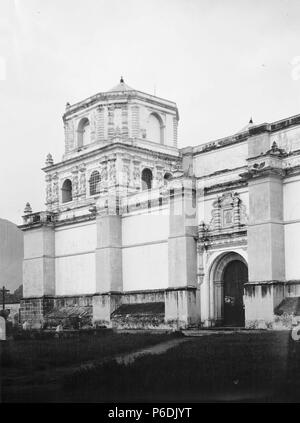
(220, 367)
(223, 367)
(34, 363)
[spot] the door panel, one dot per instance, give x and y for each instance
(235, 275)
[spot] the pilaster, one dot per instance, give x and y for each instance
(266, 248)
(182, 234)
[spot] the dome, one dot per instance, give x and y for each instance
(121, 86)
(245, 128)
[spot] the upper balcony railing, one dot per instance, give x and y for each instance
(38, 217)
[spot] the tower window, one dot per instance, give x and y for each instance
(83, 132)
(67, 191)
(95, 183)
(167, 177)
(146, 179)
(155, 130)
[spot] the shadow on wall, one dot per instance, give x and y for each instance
(11, 255)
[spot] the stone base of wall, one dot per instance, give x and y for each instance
(33, 310)
(176, 308)
(139, 316)
(71, 312)
(261, 300)
(48, 312)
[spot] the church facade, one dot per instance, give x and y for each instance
(139, 233)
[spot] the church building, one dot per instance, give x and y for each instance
(138, 233)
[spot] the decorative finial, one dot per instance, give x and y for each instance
(122, 80)
(251, 120)
(49, 160)
(28, 209)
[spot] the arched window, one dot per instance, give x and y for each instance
(83, 132)
(146, 179)
(155, 128)
(67, 191)
(167, 177)
(95, 183)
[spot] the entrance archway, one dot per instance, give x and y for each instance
(229, 274)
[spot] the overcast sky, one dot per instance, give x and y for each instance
(222, 61)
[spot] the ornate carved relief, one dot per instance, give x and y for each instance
(82, 181)
(48, 191)
(136, 173)
(103, 171)
(159, 176)
(126, 172)
(228, 211)
(55, 188)
(75, 181)
(112, 172)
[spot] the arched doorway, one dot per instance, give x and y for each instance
(235, 275)
(228, 274)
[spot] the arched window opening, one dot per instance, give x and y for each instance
(67, 191)
(84, 132)
(167, 177)
(155, 129)
(95, 183)
(146, 179)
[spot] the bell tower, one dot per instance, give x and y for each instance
(120, 152)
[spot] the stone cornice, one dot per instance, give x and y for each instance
(262, 173)
(292, 171)
(119, 96)
(58, 223)
(220, 173)
(228, 233)
(133, 149)
(243, 136)
(225, 186)
(268, 282)
(224, 240)
(220, 143)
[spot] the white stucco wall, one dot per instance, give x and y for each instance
(141, 228)
(291, 204)
(145, 251)
(288, 139)
(75, 275)
(145, 267)
(291, 198)
(224, 158)
(75, 259)
(75, 239)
